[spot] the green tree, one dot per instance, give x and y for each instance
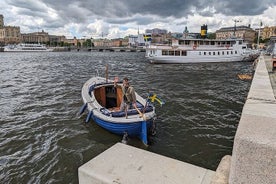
(211, 35)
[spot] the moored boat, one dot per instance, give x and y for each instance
(27, 47)
(201, 50)
(102, 100)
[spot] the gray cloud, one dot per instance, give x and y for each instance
(242, 7)
(142, 12)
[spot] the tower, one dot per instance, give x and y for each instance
(1, 22)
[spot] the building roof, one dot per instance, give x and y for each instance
(233, 28)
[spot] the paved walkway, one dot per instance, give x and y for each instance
(271, 73)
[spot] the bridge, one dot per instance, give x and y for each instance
(110, 49)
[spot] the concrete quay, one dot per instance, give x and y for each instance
(253, 159)
(254, 152)
(126, 165)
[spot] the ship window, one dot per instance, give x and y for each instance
(227, 53)
(184, 53)
(214, 53)
(236, 52)
(231, 52)
(218, 53)
(199, 53)
(171, 53)
(209, 53)
(181, 42)
(177, 53)
(222, 52)
(165, 52)
(204, 53)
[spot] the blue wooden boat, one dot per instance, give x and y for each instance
(102, 100)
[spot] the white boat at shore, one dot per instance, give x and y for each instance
(27, 47)
(201, 50)
(102, 100)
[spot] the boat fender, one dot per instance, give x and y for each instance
(125, 138)
(143, 133)
(105, 112)
(83, 108)
(89, 116)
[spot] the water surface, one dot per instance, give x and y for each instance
(42, 140)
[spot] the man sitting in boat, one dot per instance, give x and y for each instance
(129, 97)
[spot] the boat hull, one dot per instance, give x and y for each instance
(132, 129)
(180, 60)
(27, 48)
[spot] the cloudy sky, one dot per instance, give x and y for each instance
(119, 18)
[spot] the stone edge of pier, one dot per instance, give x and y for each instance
(126, 164)
(254, 152)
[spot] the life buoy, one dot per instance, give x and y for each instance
(194, 47)
(227, 46)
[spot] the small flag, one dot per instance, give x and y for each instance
(147, 38)
(153, 97)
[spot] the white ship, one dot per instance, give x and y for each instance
(26, 47)
(201, 50)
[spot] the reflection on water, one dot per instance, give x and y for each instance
(42, 140)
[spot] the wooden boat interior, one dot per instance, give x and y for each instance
(110, 98)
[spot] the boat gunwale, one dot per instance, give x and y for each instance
(95, 107)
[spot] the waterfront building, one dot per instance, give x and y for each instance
(42, 37)
(156, 31)
(133, 40)
(244, 32)
(139, 40)
(36, 37)
(56, 40)
(102, 43)
(72, 42)
(117, 42)
(12, 35)
(9, 34)
(268, 32)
